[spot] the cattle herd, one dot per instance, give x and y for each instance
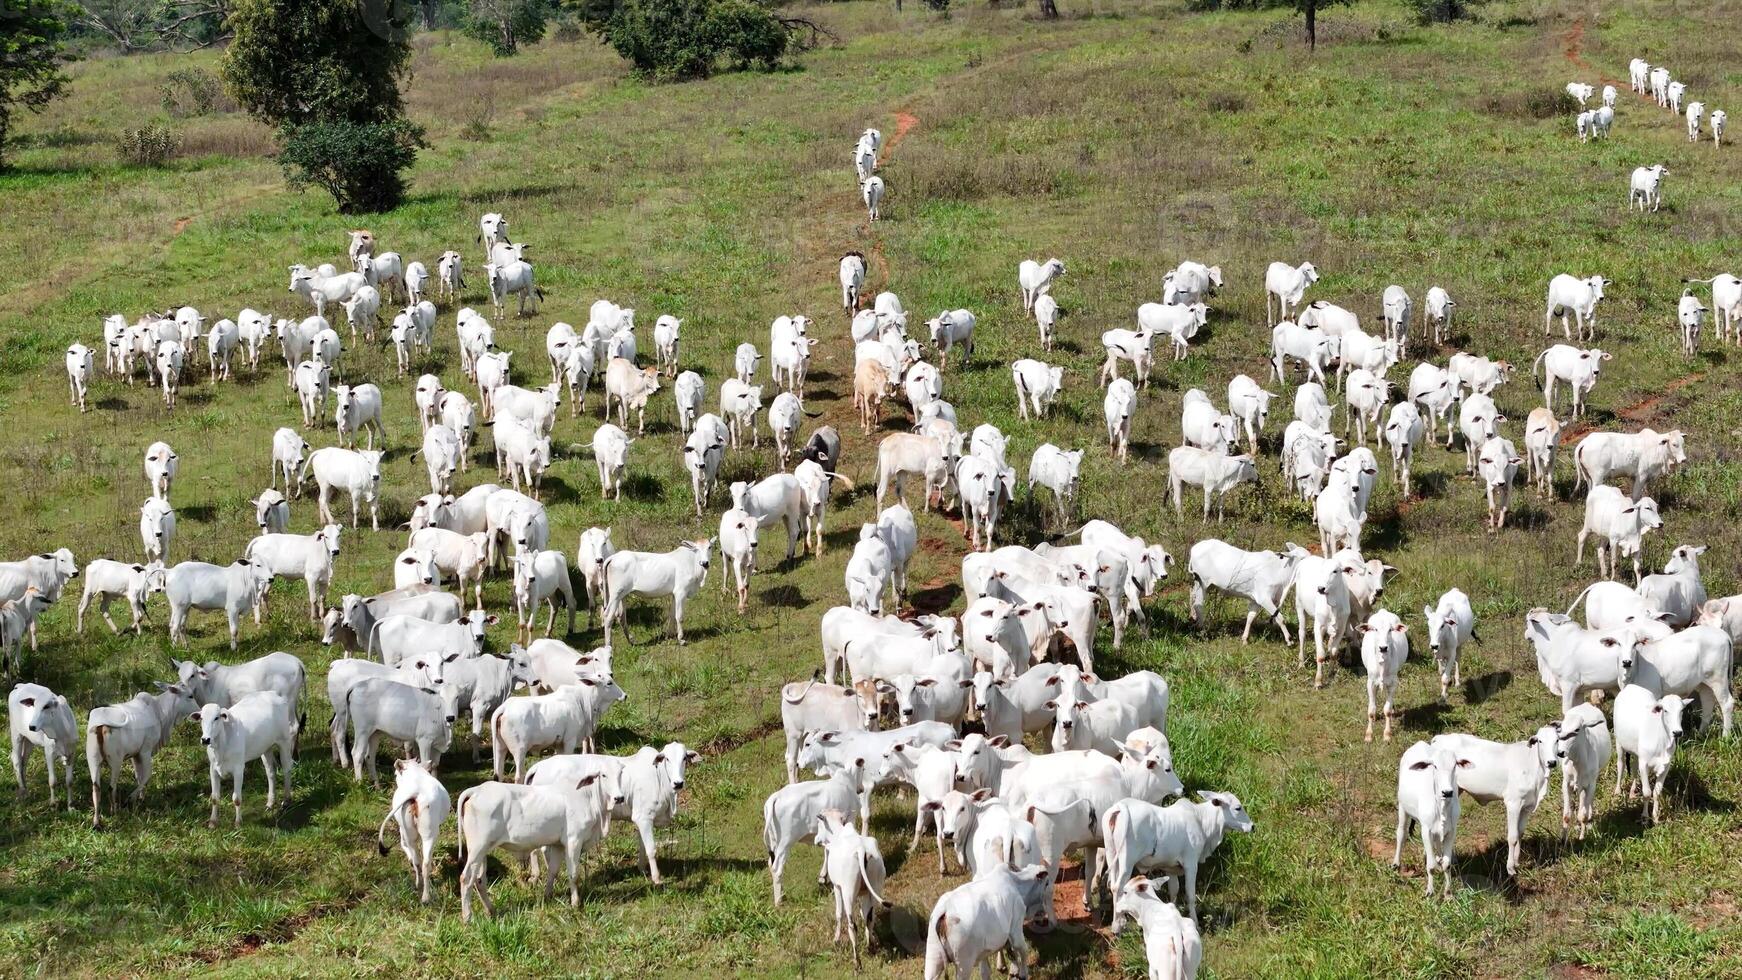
(939, 704)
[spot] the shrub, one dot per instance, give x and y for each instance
(359, 164)
(148, 146)
(746, 34)
(190, 92)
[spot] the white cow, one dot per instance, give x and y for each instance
(254, 727)
(358, 472)
(973, 922)
(1403, 433)
(1578, 368)
(1176, 839)
(1647, 727)
(1384, 648)
(1287, 285)
(80, 365)
(1642, 457)
(871, 190)
(313, 380)
(106, 579)
(1585, 745)
(132, 731)
(156, 528)
(1646, 187)
(1620, 524)
(1058, 470)
(1450, 625)
(528, 819)
(1119, 405)
(1427, 795)
(198, 585)
(1497, 467)
(420, 806)
(611, 455)
(1312, 347)
(1037, 385)
(310, 557)
(1046, 314)
(1690, 313)
(358, 408)
(1568, 294)
(1036, 279)
(42, 719)
(739, 403)
(1515, 773)
(1251, 405)
(1216, 473)
(679, 573)
(1542, 436)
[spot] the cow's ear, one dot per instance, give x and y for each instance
(194, 717)
(1420, 765)
(1051, 705)
(450, 658)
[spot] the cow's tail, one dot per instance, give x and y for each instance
(460, 828)
(1537, 365)
(865, 876)
(392, 816)
(1579, 465)
(1580, 598)
(831, 474)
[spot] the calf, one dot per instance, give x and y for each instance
(1450, 624)
(542, 577)
(252, 728)
(528, 819)
(789, 815)
(198, 585)
(310, 557)
(379, 706)
(1542, 435)
(1176, 839)
(679, 573)
(1497, 466)
(1647, 727)
(1262, 578)
(1515, 773)
(611, 456)
(41, 718)
(156, 528)
(106, 579)
(1585, 748)
(133, 731)
(1384, 648)
(1427, 795)
(1059, 471)
(1216, 473)
(271, 512)
(420, 806)
(985, 917)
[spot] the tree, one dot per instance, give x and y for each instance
(32, 51)
(1311, 9)
(678, 39)
(507, 24)
(326, 74)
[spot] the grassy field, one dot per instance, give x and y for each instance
(1123, 138)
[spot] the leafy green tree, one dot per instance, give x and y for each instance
(326, 73)
(678, 39)
(507, 24)
(32, 51)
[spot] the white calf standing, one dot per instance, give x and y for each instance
(1171, 943)
(106, 580)
(1585, 742)
(1542, 436)
(1646, 187)
(1450, 625)
(161, 464)
(41, 718)
(252, 728)
(79, 368)
(1427, 795)
(1690, 312)
(1647, 728)
(156, 528)
(1384, 648)
(738, 532)
(872, 191)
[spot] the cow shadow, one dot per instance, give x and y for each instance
(935, 599)
(644, 486)
(1480, 689)
(783, 597)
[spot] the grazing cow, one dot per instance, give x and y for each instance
(1036, 279)
(1450, 625)
(985, 917)
(679, 573)
(1287, 285)
(1037, 385)
(1580, 90)
(106, 580)
(1190, 282)
(1647, 727)
(1641, 456)
(1620, 524)
(1312, 347)
(1262, 578)
(1177, 839)
(528, 819)
(1118, 406)
(198, 585)
(253, 727)
(1217, 474)
(1058, 470)
(357, 472)
(41, 718)
(1646, 187)
(133, 731)
(1515, 773)
(1427, 795)
(1479, 374)
(1384, 648)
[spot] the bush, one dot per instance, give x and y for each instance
(148, 146)
(359, 164)
(190, 92)
(1440, 11)
(746, 33)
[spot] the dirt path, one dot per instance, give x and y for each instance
(1573, 46)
